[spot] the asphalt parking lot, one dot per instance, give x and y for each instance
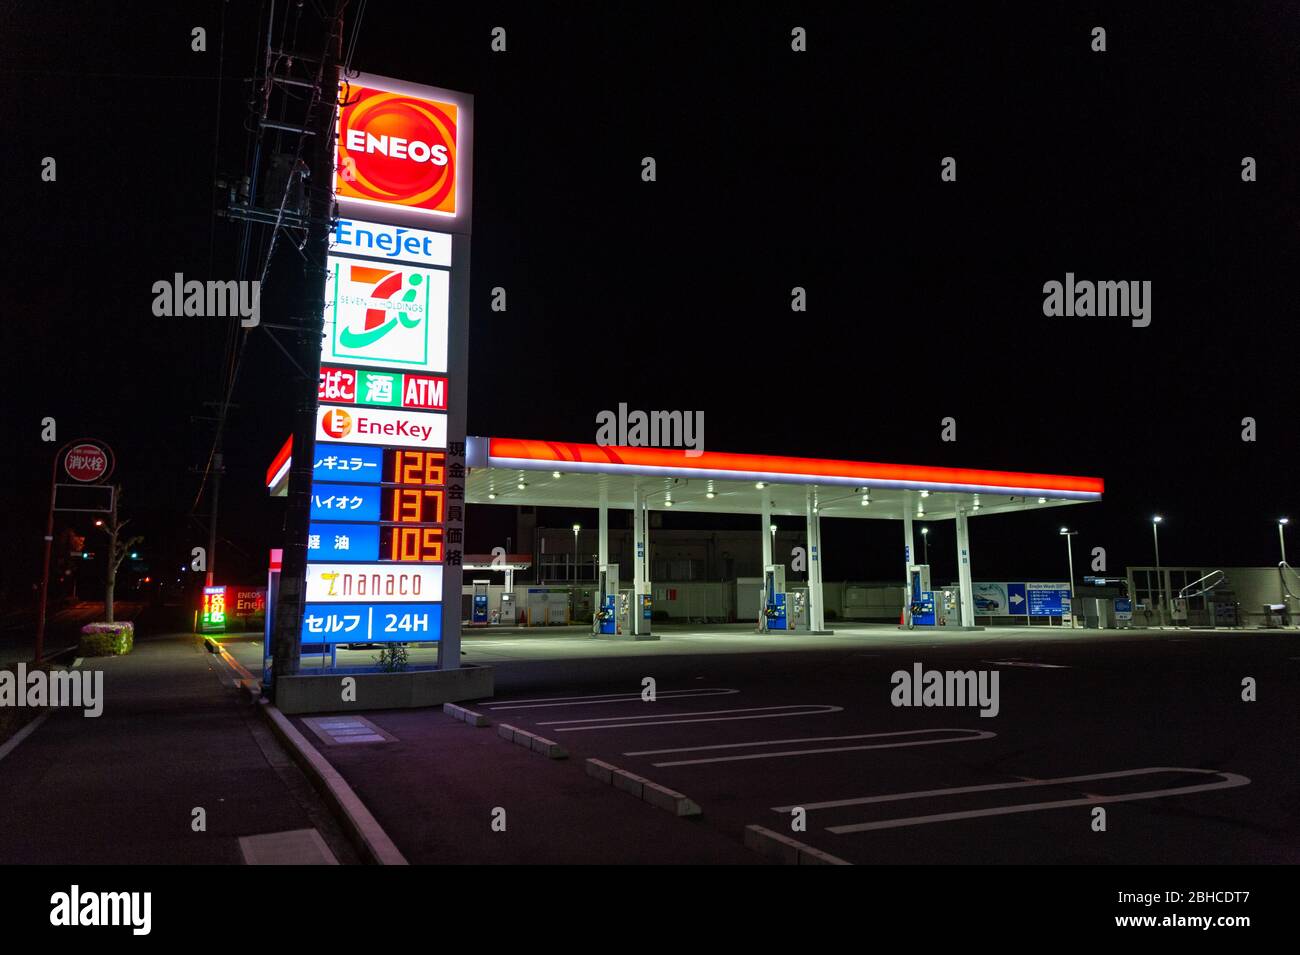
(1149, 725)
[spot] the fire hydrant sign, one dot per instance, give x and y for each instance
(87, 463)
(388, 497)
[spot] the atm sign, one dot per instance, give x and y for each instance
(391, 389)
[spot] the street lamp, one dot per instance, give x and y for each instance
(1281, 523)
(925, 542)
(1069, 552)
(576, 528)
(1160, 577)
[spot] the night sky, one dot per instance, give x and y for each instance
(775, 169)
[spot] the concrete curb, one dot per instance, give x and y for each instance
(644, 789)
(362, 828)
(537, 744)
(465, 716)
(789, 851)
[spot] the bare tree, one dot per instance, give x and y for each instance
(117, 551)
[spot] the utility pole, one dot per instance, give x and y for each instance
(216, 470)
(212, 521)
(317, 138)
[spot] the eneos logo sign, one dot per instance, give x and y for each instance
(397, 149)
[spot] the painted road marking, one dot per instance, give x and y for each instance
(655, 719)
(342, 730)
(1228, 781)
(11, 744)
(1025, 663)
(633, 697)
(975, 735)
(297, 847)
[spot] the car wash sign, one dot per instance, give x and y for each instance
(388, 493)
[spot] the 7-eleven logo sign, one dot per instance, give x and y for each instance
(386, 315)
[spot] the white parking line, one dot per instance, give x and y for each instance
(1228, 781)
(655, 719)
(632, 697)
(1025, 663)
(975, 735)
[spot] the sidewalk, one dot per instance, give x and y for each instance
(121, 788)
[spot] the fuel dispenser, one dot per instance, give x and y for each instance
(605, 618)
(625, 603)
(797, 609)
(922, 597)
(646, 609)
(774, 608)
(478, 615)
(949, 607)
(506, 611)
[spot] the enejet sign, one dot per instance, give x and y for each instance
(375, 240)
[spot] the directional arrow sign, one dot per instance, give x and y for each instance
(1016, 598)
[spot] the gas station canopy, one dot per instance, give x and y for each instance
(565, 474)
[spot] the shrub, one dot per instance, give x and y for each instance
(392, 657)
(106, 639)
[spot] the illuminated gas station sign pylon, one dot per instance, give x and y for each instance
(392, 380)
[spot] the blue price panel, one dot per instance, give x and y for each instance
(347, 542)
(345, 502)
(1048, 603)
(349, 462)
(371, 623)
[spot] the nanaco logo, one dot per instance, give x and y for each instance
(395, 291)
(397, 149)
(75, 908)
(385, 583)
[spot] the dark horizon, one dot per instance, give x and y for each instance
(775, 170)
